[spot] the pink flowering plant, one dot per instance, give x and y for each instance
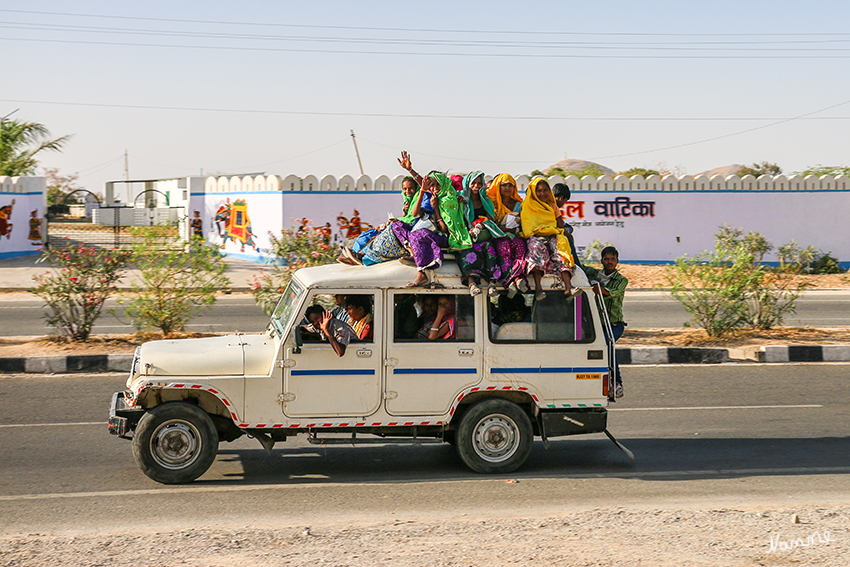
(75, 290)
(294, 248)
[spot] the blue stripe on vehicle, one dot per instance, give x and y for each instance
(339, 372)
(435, 371)
(546, 370)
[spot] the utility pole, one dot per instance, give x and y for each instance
(2, 120)
(127, 175)
(356, 153)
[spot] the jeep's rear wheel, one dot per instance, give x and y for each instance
(494, 436)
(175, 443)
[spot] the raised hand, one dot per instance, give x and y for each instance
(404, 161)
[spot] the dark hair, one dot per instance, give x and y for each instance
(561, 190)
(362, 301)
(314, 310)
(609, 250)
(410, 178)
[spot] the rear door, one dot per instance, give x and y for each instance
(423, 376)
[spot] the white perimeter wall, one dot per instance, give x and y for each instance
(28, 194)
(649, 220)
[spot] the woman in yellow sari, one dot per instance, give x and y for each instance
(510, 249)
(548, 248)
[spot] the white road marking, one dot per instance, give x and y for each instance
(715, 408)
(54, 424)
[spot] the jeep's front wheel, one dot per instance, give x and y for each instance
(494, 436)
(175, 443)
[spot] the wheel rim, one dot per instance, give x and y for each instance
(496, 438)
(176, 444)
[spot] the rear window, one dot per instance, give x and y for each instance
(555, 319)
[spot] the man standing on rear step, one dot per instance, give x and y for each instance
(611, 285)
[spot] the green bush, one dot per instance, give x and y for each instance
(730, 287)
(178, 279)
(75, 291)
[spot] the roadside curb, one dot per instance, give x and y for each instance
(631, 356)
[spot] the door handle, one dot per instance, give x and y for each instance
(391, 362)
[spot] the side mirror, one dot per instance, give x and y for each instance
(298, 340)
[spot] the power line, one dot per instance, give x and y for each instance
(425, 53)
(725, 135)
(425, 30)
(423, 115)
(691, 45)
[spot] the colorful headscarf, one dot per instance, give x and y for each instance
(540, 218)
(450, 211)
(469, 211)
(496, 196)
(407, 200)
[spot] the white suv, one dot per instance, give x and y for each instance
(509, 369)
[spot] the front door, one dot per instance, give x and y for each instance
(319, 383)
(425, 375)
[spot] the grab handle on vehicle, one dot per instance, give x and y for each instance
(298, 340)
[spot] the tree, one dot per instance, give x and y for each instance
(59, 186)
(19, 144)
(178, 279)
(757, 169)
(640, 171)
(821, 170)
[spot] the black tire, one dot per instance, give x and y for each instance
(494, 436)
(175, 443)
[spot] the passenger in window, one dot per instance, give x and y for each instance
(440, 321)
(562, 195)
(548, 248)
(408, 316)
(339, 311)
(337, 333)
(359, 309)
(510, 249)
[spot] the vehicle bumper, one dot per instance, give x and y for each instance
(122, 418)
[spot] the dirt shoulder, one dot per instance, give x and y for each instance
(615, 537)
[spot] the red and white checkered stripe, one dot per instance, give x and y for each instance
(317, 424)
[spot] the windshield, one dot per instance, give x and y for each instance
(286, 306)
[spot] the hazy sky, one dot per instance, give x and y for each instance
(275, 86)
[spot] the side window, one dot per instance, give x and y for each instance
(556, 319)
(430, 316)
(354, 310)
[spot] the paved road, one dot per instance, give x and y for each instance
(22, 316)
(713, 436)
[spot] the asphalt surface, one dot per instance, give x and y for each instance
(713, 436)
(22, 314)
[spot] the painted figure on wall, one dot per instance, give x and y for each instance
(233, 223)
(351, 228)
(35, 229)
(197, 225)
(5, 219)
(222, 217)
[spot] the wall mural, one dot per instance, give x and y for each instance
(35, 229)
(233, 223)
(351, 227)
(6, 220)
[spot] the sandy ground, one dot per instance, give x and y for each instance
(719, 537)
